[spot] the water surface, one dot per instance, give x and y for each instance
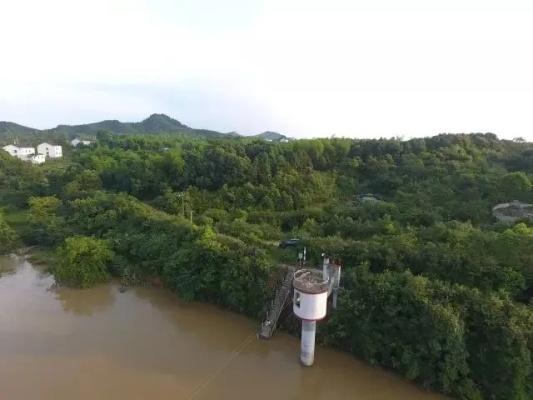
(64, 344)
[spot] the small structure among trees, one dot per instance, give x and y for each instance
(513, 211)
(367, 197)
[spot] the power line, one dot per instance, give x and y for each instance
(233, 356)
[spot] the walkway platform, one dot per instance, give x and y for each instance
(276, 306)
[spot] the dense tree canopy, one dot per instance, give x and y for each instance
(8, 237)
(82, 261)
(434, 287)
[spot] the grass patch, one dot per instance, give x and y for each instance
(17, 219)
(56, 163)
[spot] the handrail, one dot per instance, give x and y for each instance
(269, 325)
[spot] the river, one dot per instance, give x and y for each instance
(146, 344)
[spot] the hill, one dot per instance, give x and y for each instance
(10, 128)
(155, 124)
(274, 136)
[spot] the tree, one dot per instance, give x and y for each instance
(45, 223)
(83, 261)
(516, 185)
(103, 136)
(8, 237)
(85, 182)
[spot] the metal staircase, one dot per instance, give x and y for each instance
(276, 306)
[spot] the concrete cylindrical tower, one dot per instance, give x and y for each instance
(310, 305)
(307, 355)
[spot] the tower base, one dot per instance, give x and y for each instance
(307, 355)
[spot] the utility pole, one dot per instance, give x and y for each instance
(301, 257)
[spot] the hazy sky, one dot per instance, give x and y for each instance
(304, 68)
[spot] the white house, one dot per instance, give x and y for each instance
(26, 151)
(38, 158)
(19, 151)
(76, 142)
(33, 158)
(50, 150)
(13, 150)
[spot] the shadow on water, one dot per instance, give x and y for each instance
(84, 302)
(218, 329)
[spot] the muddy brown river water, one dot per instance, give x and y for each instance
(145, 344)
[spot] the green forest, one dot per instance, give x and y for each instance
(434, 287)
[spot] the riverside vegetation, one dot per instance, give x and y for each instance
(433, 287)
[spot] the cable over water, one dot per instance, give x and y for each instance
(202, 385)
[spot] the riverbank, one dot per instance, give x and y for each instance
(289, 325)
(38, 256)
(146, 343)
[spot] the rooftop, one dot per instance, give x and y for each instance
(19, 146)
(310, 281)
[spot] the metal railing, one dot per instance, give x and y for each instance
(276, 306)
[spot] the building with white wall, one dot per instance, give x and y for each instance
(50, 150)
(17, 151)
(11, 149)
(76, 142)
(34, 158)
(25, 153)
(38, 158)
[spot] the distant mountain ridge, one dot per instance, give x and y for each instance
(274, 136)
(154, 124)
